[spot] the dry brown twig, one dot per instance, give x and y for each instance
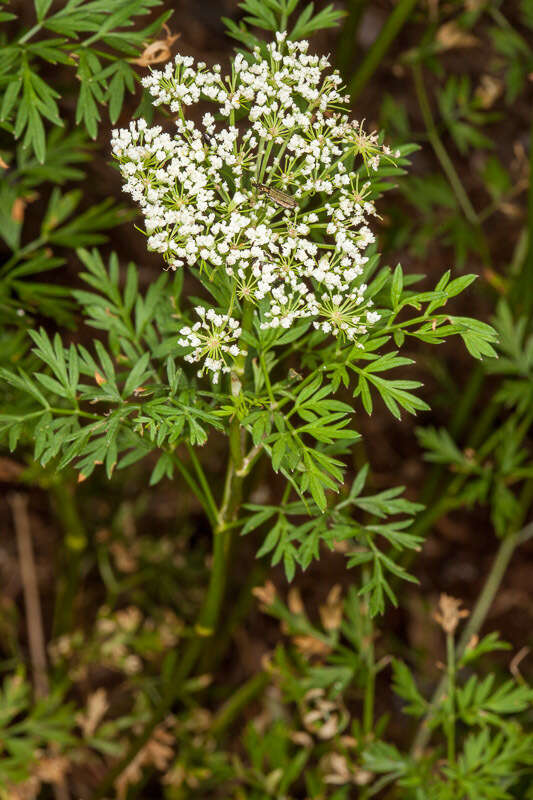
(515, 663)
(157, 52)
(32, 604)
(21, 520)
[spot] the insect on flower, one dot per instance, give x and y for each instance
(282, 199)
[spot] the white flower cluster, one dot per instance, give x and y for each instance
(269, 200)
(214, 339)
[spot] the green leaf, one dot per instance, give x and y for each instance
(137, 375)
(316, 488)
(308, 23)
(458, 285)
(396, 287)
(278, 451)
(41, 8)
(405, 687)
(116, 96)
(383, 757)
(10, 97)
(366, 397)
(35, 134)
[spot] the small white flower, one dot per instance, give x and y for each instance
(214, 342)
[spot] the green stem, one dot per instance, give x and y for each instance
(212, 517)
(460, 418)
(521, 293)
(440, 151)
(267, 378)
(241, 699)
(370, 685)
(491, 209)
(447, 492)
(376, 54)
(346, 45)
(32, 31)
(210, 502)
(238, 612)
(281, 151)
(264, 161)
(29, 248)
(284, 17)
(450, 726)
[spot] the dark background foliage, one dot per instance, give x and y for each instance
(147, 546)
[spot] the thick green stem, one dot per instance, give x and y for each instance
(222, 532)
(238, 612)
(375, 55)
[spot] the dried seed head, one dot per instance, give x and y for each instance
(449, 613)
(323, 717)
(336, 770)
(125, 558)
(157, 752)
(362, 777)
(311, 646)
(451, 35)
(27, 790)
(97, 706)
(265, 594)
(272, 780)
(129, 618)
(331, 611)
(295, 602)
(489, 90)
(199, 720)
(301, 738)
(52, 769)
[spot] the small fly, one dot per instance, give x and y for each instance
(282, 199)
